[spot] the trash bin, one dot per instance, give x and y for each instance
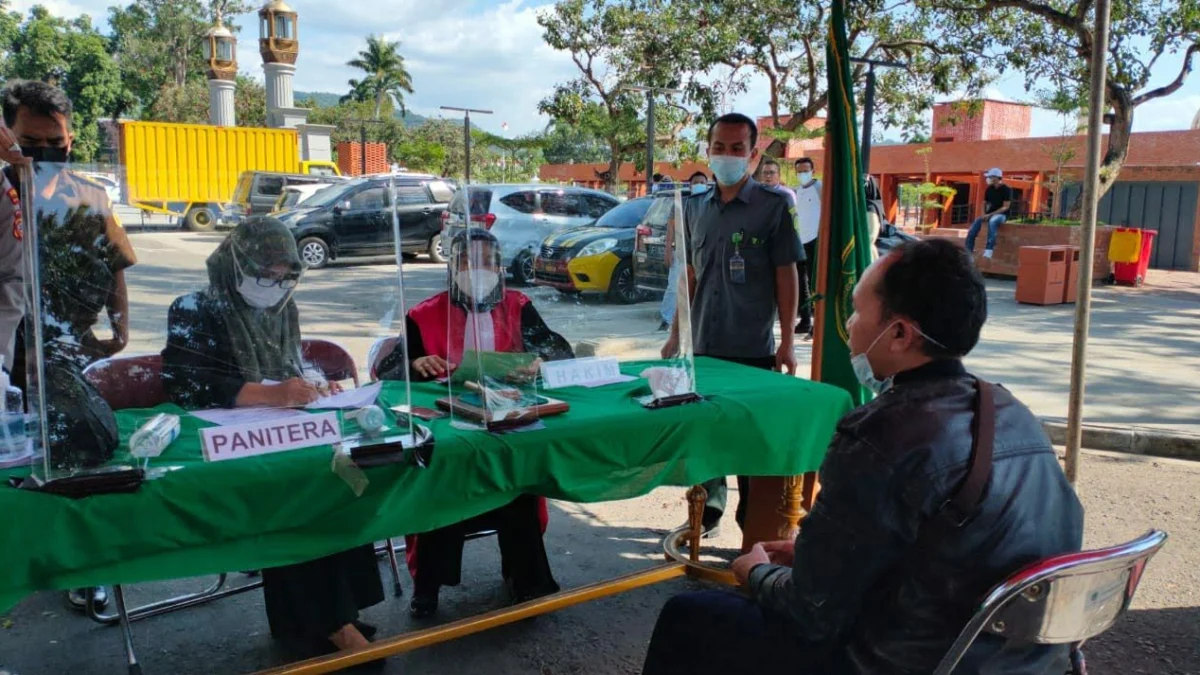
(1072, 285)
(1041, 275)
(1133, 273)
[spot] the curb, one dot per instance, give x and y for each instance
(1132, 440)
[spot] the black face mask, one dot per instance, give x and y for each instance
(41, 154)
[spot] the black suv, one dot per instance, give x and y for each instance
(355, 219)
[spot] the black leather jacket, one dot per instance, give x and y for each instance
(861, 583)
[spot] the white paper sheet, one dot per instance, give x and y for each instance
(616, 380)
(348, 399)
(228, 417)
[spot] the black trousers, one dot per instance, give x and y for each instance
(718, 490)
(523, 558)
(807, 270)
(723, 632)
(312, 600)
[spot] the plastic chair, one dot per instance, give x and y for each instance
(332, 359)
(128, 381)
(382, 349)
(1066, 599)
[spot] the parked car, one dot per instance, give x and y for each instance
(355, 219)
(522, 216)
(596, 258)
(257, 192)
(650, 264)
(295, 195)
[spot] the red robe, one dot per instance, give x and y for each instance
(437, 318)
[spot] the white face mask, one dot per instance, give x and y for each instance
(478, 284)
(728, 169)
(261, 297)
(805, 177)
(863, 370)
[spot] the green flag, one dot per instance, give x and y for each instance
(846, 243)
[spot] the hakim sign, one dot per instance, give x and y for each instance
(261, 438)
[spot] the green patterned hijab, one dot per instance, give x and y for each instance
(265, 342)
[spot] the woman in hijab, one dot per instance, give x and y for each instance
(477, 313)
(225, 346)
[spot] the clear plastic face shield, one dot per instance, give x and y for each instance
(146, 352)
(492, 351)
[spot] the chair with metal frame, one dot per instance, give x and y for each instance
(1067, 599)
(332, 359)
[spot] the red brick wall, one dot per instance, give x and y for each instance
(350, 158)
(1006, 120)
(995, 120)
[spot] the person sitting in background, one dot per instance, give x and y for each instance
(996, 201)
(888, 568)
(237, 344)
(477, 313)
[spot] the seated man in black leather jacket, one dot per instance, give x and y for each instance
(868, 587)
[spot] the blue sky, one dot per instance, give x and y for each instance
(489, 54)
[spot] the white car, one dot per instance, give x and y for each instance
(110, 185)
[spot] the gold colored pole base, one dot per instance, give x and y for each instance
(476, 624)
(695, 568)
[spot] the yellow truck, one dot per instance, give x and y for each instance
(191, 170)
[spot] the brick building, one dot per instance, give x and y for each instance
(1158, 188)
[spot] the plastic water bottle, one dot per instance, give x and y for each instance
(12, 418)
(154, 436)
(370, 419)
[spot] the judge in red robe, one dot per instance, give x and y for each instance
(477, 314)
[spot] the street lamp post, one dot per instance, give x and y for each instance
(869, 106)
(650, 92)
(467, 133)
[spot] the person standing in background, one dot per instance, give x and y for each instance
(808, 224)
(770, 175)
(742, 250)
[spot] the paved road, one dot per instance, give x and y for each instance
(1124, 496)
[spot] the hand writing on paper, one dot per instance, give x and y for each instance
(293, 392)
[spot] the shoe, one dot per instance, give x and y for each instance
(808, 336)
(987, 253)
(422, 606)
(525, 595)
(664, 327)
(77, 598)
(803, 328)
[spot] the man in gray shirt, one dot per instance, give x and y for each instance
(742, 250)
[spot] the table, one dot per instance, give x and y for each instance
(290, 507)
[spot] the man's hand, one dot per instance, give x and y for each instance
(745, 563)
(781, 552)
(432, 366)
(671, 349)
(785, 359)
(10, 151)
(293, 392)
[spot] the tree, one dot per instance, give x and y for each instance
(615, 45)
(567, 144)
(387, 78)
(73, 55)
(158, 43)
(507, 159)
(189, 104)
(1053, 48)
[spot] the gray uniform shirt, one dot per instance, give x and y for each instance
(736, 320)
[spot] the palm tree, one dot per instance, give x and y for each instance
(386, 76)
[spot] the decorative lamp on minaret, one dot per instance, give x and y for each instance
(279, 44)
(220, 53)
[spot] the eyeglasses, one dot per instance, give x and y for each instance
(287, 283)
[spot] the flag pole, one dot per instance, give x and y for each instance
(822, 263)
(1087, 243)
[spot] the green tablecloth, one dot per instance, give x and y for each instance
(289, 507)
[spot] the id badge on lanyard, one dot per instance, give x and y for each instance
(737, 264)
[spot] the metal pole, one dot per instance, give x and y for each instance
(649, 141)
(362, 140)
(868, 120)
(1087, 244)
(467, 143)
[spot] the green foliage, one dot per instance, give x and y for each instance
(569, 144)
(386, 80)
(189, 104)
(925, 195)
(72, 54)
